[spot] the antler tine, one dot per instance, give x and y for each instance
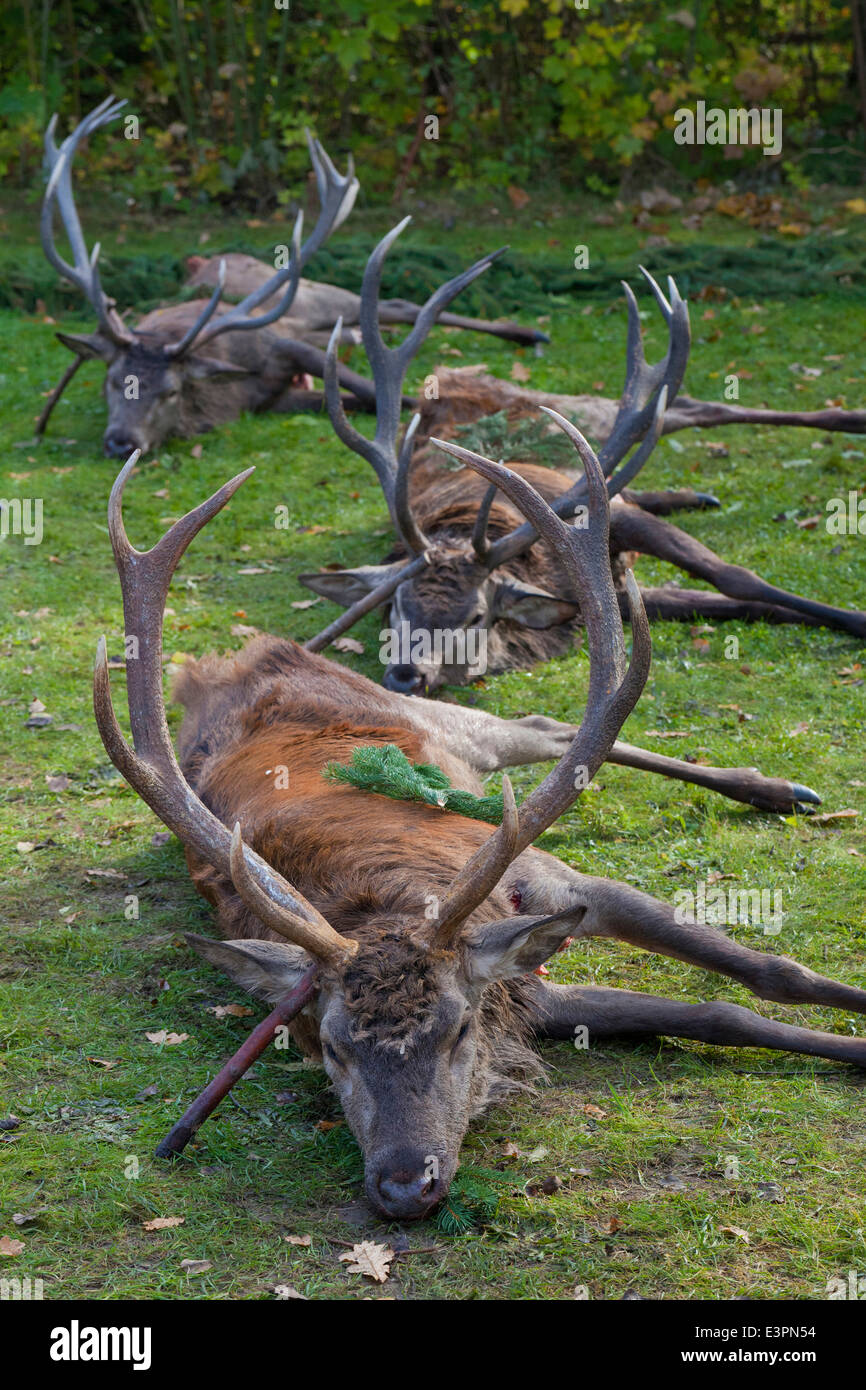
(84, 274)
(406, 523)
(240, 316)
(614, 687)
(480, 875)
(646, 393)
(314, 933)
(480, 543)
(337, 194)
(642, 381)
(178, 349)
(149, 765)
(389, 367)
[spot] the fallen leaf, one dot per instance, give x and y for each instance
(196, 1266)
(8, 1246)
(57, 782)
(101, 1062)
(349, 644)
(518, 197)
(304, 602)
(667, 733)
(736, 1232)
(370, 1259)
(827, 817)
(163, 1037)
(243, 630)
(163, 1223)
(519, 372)
(286, 1291)
(105, 873)
(25, 846)
(595, 1110)
(324, 1126)
(24, 1218)
(298, 1240)
(235, 1010)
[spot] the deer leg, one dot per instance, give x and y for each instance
(684, 605)
(539, 883)
(672, 500)
(490, 744)
(737, 783)
(558, 1011)
(633, 529)
(404, 311)
(685, 411)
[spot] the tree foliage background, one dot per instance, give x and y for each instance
(522, 89)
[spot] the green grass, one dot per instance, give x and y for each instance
(653, 1165)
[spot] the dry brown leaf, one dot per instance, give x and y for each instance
(298, 1240)
(667, 733)
(163, 1223)
(735, 1232)
(519, 372)
(235, 1010)
(284, 1291)
(8, 1246)
(101, 1062)
(595, 1110)
(166, 1039)
(370, 1259)
(349, 644)
(304, 602)
(827, 817)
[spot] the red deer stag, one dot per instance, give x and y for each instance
(426, 927)
(159, 380)
(485, 569)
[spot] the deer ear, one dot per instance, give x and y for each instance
(89, 345)
(530, 607)
(212, 369)
(516, 945)
(267, 969)
(347, 586)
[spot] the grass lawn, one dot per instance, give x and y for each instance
(687, 1172)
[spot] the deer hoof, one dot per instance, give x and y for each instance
(804, 799)
(707, 499)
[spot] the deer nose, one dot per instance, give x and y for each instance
(406, 680)
(407, 1194)
(117, 445)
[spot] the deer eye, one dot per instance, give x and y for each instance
(460, 1036)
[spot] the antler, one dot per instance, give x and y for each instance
(84, 274)
(389, 366)
(150, 765)
(648, 389)
(614, 686)
(337, 194)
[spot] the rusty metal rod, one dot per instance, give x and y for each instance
(365, 605)
(56, 394)
(204, 1105)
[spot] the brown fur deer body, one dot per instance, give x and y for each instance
(425, 927)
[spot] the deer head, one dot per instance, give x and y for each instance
(153, 377)
(468, 598)
(414, 1028)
